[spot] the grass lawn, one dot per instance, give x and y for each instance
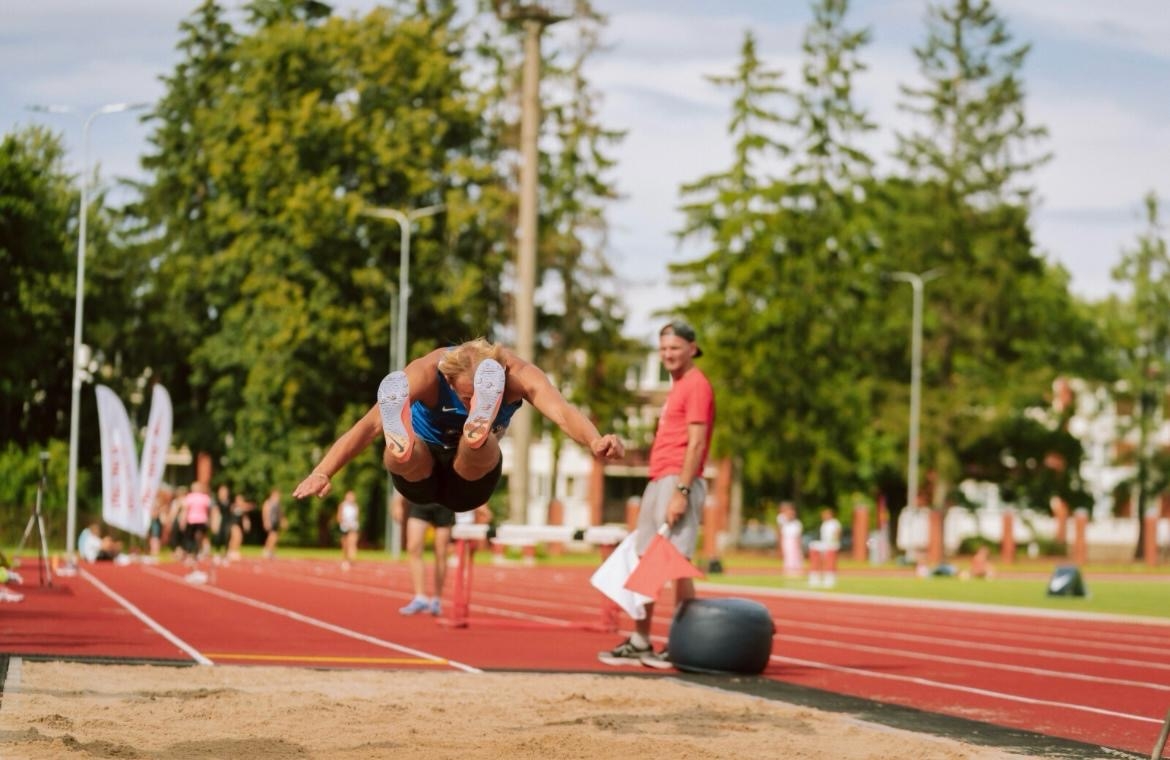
(1130, 589)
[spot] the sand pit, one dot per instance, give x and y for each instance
(60, 710)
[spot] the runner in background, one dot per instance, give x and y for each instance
(418, 518)
(349, 523)
(272, 514)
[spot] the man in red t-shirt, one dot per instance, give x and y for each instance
(676, 491)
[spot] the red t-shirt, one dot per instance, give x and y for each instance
(690, 400)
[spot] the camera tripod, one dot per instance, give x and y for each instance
(37, 520)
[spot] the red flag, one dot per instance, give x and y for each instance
(661, 563)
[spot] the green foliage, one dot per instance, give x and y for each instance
(789, 273)
(20, 476)
(38, 236)
(270, 144)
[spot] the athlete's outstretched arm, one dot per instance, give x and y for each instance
(538, 391)
(364, 432)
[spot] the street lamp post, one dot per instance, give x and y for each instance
(533, 16)
(78, 310)
(917, 282)
(398, 358)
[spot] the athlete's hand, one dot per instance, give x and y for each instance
(608, 447)
(317, 484)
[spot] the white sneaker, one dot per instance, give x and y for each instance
(394, 404)
(490, 380)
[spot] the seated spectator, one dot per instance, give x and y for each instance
(981, 566)
(756, 535)
(93, 546)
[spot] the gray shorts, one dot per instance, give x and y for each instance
(652, 514)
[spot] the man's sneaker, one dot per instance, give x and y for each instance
(660, 660)
(625, 653)
(489, 385)
(417, 605)
(436, 607)
(394, 404)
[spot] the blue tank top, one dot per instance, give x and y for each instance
(443, 424)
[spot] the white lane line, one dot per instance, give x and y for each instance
(967, 661)
(1014, 630)
(166, 634)
(983, 645)
(314, 621)
(966, 689)
(728, 589)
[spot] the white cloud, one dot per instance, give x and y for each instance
(1138, 25)
(1111, 142)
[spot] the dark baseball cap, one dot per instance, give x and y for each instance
(683, 330)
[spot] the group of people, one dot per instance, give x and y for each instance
(441, 418)
(197, 526)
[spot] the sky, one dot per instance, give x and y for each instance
(1098, 78)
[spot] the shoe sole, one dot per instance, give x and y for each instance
(656, 663)
(489, 383)
(620, 661)
(394, 405)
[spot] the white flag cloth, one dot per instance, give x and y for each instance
(154, 455)
(610, 578)
(119, 470)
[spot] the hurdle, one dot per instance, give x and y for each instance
(468, 536)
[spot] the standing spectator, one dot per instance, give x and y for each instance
(196, 516)
(676, 491)
(222, 517)
(349, 523)
(241, 523)
(418, 517)
(174, 527)
(822, 553)
(271, 513)
(790, 532)
(158, 514)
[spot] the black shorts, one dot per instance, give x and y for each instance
(435, 514)
(445, 487)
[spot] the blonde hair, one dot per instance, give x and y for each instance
(462, 360)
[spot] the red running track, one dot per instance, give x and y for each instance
(1096, 680)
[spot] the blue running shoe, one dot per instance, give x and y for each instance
(417, 605)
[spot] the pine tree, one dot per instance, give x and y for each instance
(989, 343)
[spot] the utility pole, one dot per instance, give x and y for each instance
(533, 17)
(917, 282)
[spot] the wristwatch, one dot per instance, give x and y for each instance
(685, 489)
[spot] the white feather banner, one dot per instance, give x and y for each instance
(154, 454)
(119, 470)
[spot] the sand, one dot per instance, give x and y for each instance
(62, 710)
